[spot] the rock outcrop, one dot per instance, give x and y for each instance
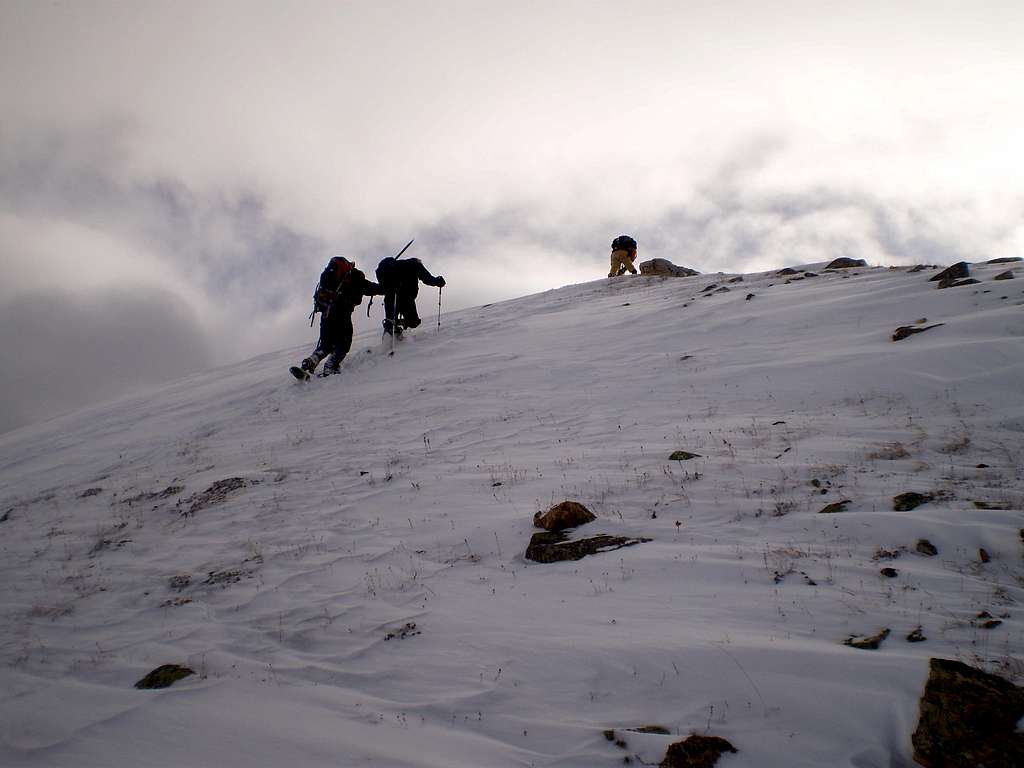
(846, 263)
(968, 717)
(665, 268)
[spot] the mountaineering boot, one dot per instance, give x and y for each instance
(310, 363)
(332, 365)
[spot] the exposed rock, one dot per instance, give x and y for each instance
(164, 676)
(984, 556)
(683, 456)
(567, 514)
(1007, 275)
(885, 554)
(957, 283)
(226, 577)
(696, 752)
(968, 717)
(179, 582)
(955, 272)
(916, 635)
(925, 547)
(658, 729)
(750, 296)
(171, 490)
(867, 642)
(787, 271)
(905, 502)
(89, 492)
(709, 288)
(554, 546)
(1004, 260)
(909, 330)
(917, 268)
(407, 630)
(665, 268)
(737, 279)
(215, 494)
(889, 573)
(836, 506)
(846, 263)
(992, 505)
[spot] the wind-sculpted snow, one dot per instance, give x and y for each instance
(352, 589)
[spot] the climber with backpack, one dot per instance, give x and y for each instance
(340, 290)
(623, 255)
(400, 281)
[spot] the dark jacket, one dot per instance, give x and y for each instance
(345, 292)
(403, 276)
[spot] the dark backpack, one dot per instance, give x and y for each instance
(623, 243)
(387, 272)
(339, 271)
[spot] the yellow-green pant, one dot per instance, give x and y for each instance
(622, 261)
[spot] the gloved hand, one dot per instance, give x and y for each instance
(440, 282)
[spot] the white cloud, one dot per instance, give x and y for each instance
(225, 150)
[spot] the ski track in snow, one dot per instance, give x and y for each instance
(402, 492)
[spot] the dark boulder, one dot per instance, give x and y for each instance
(164, 676)
(834, 507)
(846, 263)
(955, 272)
(1007, 275)
(683, 456)
(957, 283)
(567, 514)
(696, 752)
(905, 502)
(926, 548)
(968, 717)
(555, 546)
(909, 330)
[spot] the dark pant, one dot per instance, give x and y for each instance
(335, 334)
(402, 305)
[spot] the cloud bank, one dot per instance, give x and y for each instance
(212, 158)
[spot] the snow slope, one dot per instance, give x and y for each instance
(360, 596)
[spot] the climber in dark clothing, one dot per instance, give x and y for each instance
(400, 280)
(341, 289)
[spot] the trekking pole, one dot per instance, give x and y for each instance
(394, 320)
(439, 288)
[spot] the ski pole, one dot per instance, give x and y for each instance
(439, 308)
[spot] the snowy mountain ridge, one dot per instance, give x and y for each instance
(341, 561)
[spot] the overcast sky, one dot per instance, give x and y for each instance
(174, 175)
